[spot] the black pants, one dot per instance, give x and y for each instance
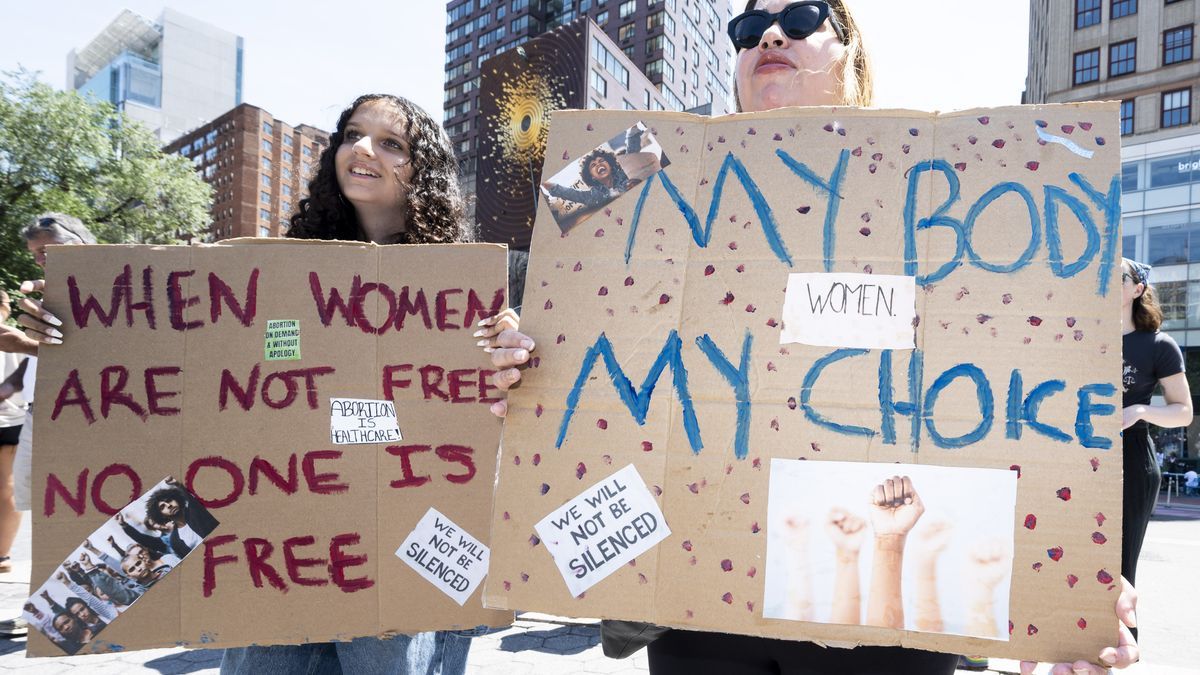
(681, 652)
(1142, 481)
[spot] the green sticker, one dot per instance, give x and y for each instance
(283, 340)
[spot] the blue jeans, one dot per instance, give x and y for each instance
(431, 653)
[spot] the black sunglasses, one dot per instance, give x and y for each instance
(798, 20)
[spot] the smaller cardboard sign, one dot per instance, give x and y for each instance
(361, 420)
(282, 342)
(446, 555)
(609, 524)
(118, 564)
(869, 311)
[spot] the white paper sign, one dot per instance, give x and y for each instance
(360, 420)
(594, 534)
(870, 311)
(448, 557)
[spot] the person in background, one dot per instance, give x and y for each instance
(1151, 360)
(12, 417)
(40, 328)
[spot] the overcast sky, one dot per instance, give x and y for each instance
(305, 60)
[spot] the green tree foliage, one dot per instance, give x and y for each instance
(61, 152)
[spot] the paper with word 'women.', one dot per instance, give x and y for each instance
(667, 340)
(319, 458)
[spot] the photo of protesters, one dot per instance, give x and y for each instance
(65, 619)
(115, 566)
(909, 551)
(607, 172)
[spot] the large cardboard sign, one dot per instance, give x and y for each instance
(318, 464)
(664, 342)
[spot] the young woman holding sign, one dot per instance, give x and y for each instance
(790, 54)
(389, 176)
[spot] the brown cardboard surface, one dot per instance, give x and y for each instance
(636, 290)
(358, 496)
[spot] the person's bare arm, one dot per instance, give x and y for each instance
(930, 542)
(13, 341)
(846, 530)
(897, 507)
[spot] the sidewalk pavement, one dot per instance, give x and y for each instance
(535, 644)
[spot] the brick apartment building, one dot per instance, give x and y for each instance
(259, 168)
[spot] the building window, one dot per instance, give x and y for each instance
(286, 173)
(266, 164)
(602, 18)
(266, 181)
(306, 151)
(627, 8)
(266, 145)
(267, 128)
(626, 32)
(264, 214)
(1122, 58)
(1120, 8)
(211, 137)
(599, 83)
(288, 140)
(1129, 179)
(654, 20)
(654, 68)
(1126, 117)
(610, 62)
(286, 156)
(1087, 13)
(264, 231)
(286, 190)
(1087, 67)
(628, 105)
(1177, 45)
(1176, 108)
(264, 197)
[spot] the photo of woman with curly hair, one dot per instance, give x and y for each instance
(607, 172)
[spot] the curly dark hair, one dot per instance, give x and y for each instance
(620, 179)
(435, 204)
(155, 515)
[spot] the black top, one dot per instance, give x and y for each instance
(1148, 357)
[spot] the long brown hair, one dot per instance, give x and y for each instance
(435, 204)
(858, 77)
(1147, 314)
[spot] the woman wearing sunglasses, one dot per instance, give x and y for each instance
(808, 54)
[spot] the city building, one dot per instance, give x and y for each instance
(677, 44)
(259, 168)
(172, 75)
(576, 65)
(1141, 53)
